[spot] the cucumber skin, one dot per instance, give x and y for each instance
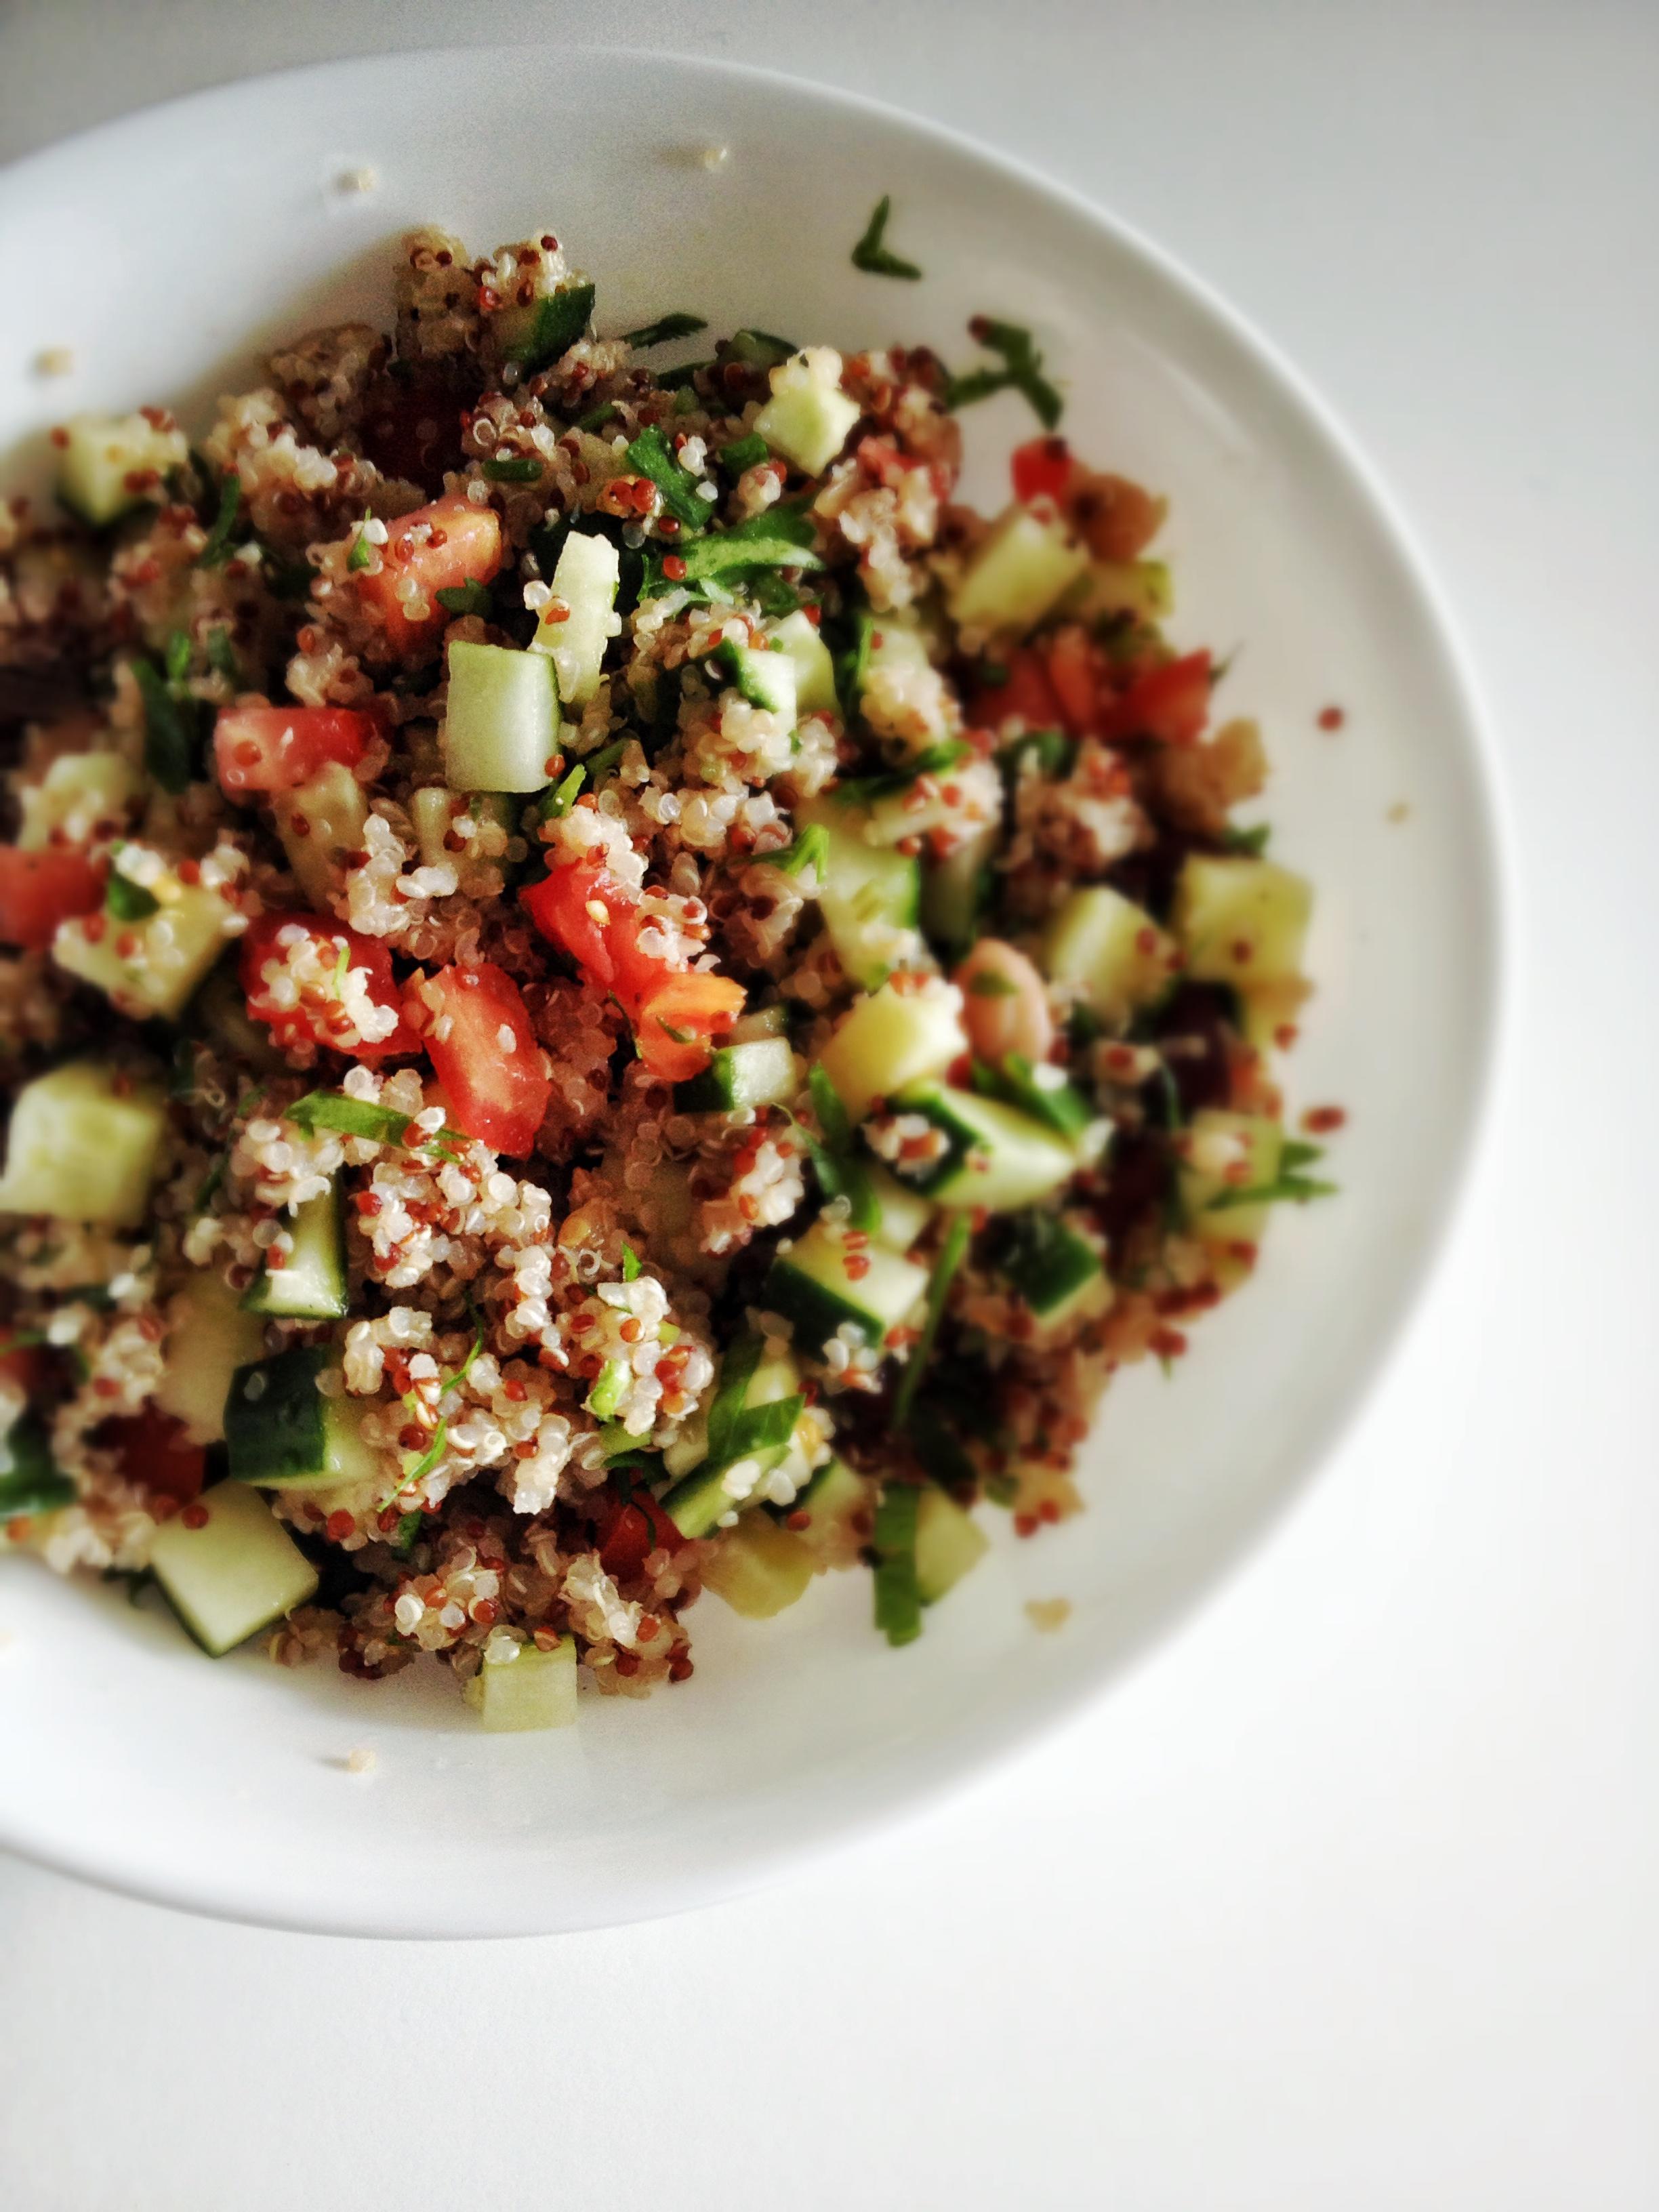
(278, 1432)
(816, 1312)
(264, 1296)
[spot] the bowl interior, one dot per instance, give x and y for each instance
(222, 1786)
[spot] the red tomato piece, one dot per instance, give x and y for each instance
(437, 549)
(632, 1531)
(1171, 703)
(1041, 469)
(38, 890)
(576, 905)
(259, 748)
(315, 1013)
(675, 1027)
(493, 1071)
(1024, 691)
(26, 1367)
(157, 1454)
(1076, 671)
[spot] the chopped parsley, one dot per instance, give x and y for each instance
(872, 256)
(125, 901)
(360, 1117)
(1252, 843)
(630, 1264)
(217, 550)
(222, 654)
(744, 453)
(649, 455)
(596, 417)
(809, 850)
(1290, 1185)
(428, 1459)
(953, 1252)
(679, 325)
(898, 1600)
(558, 802)
(1021, 371)
(559, 320)
(469, 599)
(169, 738)
(512, 468)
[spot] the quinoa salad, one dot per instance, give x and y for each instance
(606, 993)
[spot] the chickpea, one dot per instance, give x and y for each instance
(1008, 1011)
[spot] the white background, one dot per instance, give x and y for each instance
(1350, 1898)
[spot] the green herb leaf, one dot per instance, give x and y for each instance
(1059, 1107)
(596, 417)
(217, 550)
(630, 1259)
(402, 1538)
(469, 599)
(429, 1459)
(1052, 751)
(833, 1119)
(872, 256)
(763, 1428)
(736, 1372)
(169, 740)
(360, 1117)
(898, 1600)
(779, 538)
(1252, 843)
(125, 901)
(175, 661)
(951, 1255)
(558, 802)
(512, 468)
(560, 320)
(30, 1481)
(1022, 372)
(1297, 1153)
(809, 850)
(680, 325)
(1293, 1186)
(649, 455)
(222, 654)
(744, 453)
(362, 553)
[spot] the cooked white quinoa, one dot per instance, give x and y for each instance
(264, 891)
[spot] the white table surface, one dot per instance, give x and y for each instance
(1348, 1899)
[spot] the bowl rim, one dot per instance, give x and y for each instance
(974, 1754)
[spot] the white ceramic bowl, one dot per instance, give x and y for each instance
(165, 251)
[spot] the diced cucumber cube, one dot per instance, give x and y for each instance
(110, 464)
(956, 890)
(79, 794)
(1240, 920)
(997, 1157)
(307, 1283)
(900, 694)
(1110, 951)
(84, 1146)
(150, 967)
(1023, 568)
(948, 1543)
(209, 1336)
(741, 1076)
(901, 1214)
(235, 1573)
(808, 417)
(766, 679)
(502, 725)
(869, 894)
(764, 1021)
(584, 586)
(820, 1284)
(718, 1482)
(940, 801)
(1056, 1268)
(321, 825)
(840, 1506)
(436, 809)
(1140, 588)
(1224, 1153)
(283, 1432)
(759, 1568)
(809, 656)
(892, 1038)
(527, 1689)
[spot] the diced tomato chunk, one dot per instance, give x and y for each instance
(674, 1010)
(1077, 672)
(157, 1454)
(485, 1055)
(25, 1367)
(39, 890)
(675, 1025)
(258, 748)
(314, 1013)
(1041, 469)
(632, 1531)
(1171, 703)
(1024, 689)
(437, 549)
